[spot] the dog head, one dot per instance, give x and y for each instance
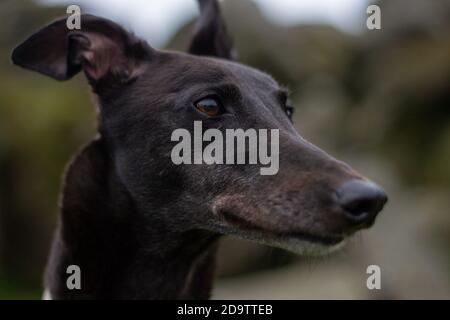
(310, 201)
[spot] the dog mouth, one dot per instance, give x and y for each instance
(269, 235)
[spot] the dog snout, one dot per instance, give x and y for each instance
(361, 201)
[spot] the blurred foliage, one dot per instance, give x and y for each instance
(383, 94)
(41, 124)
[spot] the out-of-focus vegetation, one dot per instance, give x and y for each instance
(42, 123)
(379, 100)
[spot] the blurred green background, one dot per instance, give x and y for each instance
(379, 100)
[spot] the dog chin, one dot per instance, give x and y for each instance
(306, 247)
(295, 244)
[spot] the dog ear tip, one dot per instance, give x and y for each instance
(15, 52)
(18, 60)
(16, 56)
(13, 59)
(20, 53)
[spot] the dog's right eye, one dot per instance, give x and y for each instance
(210, 106)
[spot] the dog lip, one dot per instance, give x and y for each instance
(242, 223)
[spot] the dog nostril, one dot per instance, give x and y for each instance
(361, 200)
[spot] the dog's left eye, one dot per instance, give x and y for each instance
(289, 109)
(209, 106)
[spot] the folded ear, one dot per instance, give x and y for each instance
(210, 36)
(101, 48)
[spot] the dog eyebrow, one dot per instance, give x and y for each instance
(228, 89)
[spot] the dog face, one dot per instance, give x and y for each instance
(312, 202)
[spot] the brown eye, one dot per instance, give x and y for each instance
(209, 106)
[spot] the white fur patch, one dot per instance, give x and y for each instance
(46, 295)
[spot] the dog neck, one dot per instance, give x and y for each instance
(120, 255)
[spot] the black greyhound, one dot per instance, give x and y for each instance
(141, 227)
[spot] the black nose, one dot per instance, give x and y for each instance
(361, 200)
